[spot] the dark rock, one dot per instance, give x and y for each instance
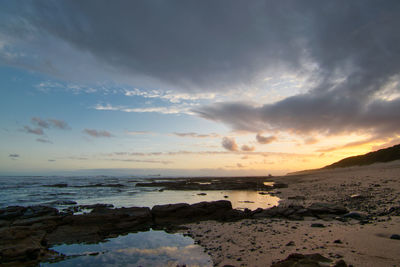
(395, 236)
(327, 208)
(169, 210)
(295, 217)
(358, 197)
(340, 263)
(355, 215)
(37, 211)
(302, 212)
(232, 183)
(11, 212)
(97, 225)
(62, 202)
(95, 206)
(317, 225)
(201, 194)
(394, 211)
(297, 260)
(338, 241)
(20, 244)
(297, 198)
(291, 243)
(182, 212)
(17, 212)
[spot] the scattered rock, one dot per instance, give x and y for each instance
(95, 206)
(395, 236)
(62, 202)
(234, 183)
(11, 212)
(201, 194)
(320, 225)
(327, 208)
(182, 212)
(297, 198)
(355, 215)
(291, 243)
(309, 260)
(338, 241)
(358, 197)
(340, 263)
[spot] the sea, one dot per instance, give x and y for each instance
(151, 248)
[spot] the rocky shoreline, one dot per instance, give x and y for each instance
(366, 235)
(29, 232)
(312, 225)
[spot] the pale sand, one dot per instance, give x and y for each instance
(263, 241)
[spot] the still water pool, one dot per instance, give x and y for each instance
(152, 248)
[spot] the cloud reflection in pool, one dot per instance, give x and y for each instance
(152, 248)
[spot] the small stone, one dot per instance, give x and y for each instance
(291, 243)
(338, 241)
(340, 263)
(395, 236)
(320, 225)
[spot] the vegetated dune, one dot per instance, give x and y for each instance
(382, 155)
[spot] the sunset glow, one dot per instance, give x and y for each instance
(194, 89)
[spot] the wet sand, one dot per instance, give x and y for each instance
(371, 191)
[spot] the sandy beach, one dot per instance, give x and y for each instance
(369, 191)
(344, 216)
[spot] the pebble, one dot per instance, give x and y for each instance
(317, 225)
(395, 236)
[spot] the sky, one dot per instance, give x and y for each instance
(195, 88)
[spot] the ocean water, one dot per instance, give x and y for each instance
(151, 248)
(119, 191)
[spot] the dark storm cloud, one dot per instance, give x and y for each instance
(96, 133)
(210, 44)
(326, 113)
(349, 50)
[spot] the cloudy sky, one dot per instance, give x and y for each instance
(195, 87)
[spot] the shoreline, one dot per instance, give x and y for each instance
(370, 193)
(347, 214)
